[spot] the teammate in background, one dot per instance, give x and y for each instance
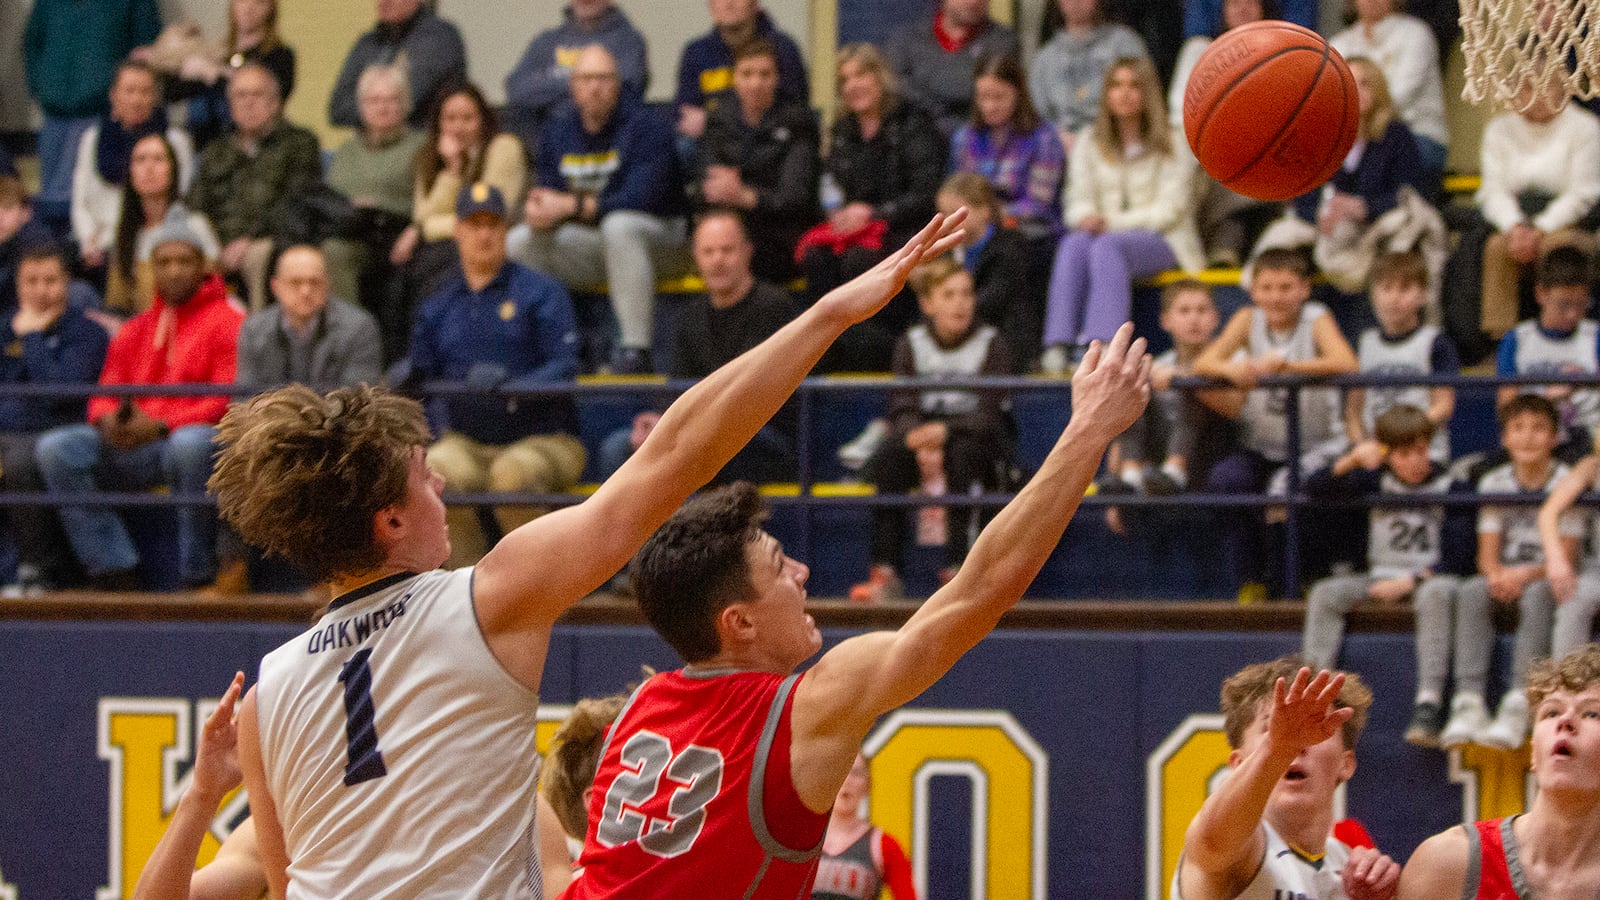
(753, 752)
(859, 859)
(423, 689)
(1265, 832)
(1562, 340)
(1554, 849)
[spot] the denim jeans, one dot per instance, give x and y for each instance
(74, 460)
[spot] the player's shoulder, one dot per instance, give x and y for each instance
(1438, 867)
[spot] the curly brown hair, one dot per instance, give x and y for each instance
(1245, 691)
(574, 757)
(301, 474)
(1576, 672)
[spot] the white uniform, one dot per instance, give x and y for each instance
(1286, 875)
(1411, 355)
(1402, 540)
(399, 753)
(1538, 352)
(1265, 415)
(1518, 526)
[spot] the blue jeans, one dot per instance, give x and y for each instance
(74, 460)
(58, 156)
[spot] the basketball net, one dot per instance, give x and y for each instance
(1514, 46)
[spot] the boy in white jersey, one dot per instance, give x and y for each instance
(1574, 583)
(1511, 567)
(1560, 341)
(1265, 833)
(1403, 556)
(390, 750)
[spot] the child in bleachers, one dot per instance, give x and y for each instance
(1402, 345)
(1403, 555)
(939, 442)
(1280, 333)
(1511, 567)
(1574, 581)
(1560, 341)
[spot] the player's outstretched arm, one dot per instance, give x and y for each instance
(864, 677)
(169, 873)
(1438, 868)
(540, 569)
(1224, 844)
(263, 811)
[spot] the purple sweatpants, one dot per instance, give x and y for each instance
(1091, 285)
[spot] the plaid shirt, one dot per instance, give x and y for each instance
(1026, 169)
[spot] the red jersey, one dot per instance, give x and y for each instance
(693, 797)
(1492, 854)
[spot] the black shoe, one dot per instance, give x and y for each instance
(1160, 484)
(121, 581)
(1111, 484)
(1427, 720)
(631, 361)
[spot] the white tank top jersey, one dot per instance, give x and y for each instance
(1265, 415)
(1537, 353)
(1402, 540)
(1518, 526)
(1411, 355)
(399, 753)
(1286, 875)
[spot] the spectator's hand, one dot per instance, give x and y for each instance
(1368, 454)
(231, 259)
(1270, 363)
(927, 436)
(1242, 373)
(643, 424)
(1370, 875)
(723, 186)
(405, 246)
(1161, 377)
(486, 376)
(1303, 714)
(93, 257)
(451, 153)
(216, 764)
(125, 433)
(692, 121)
(930, 464)
(28, 321)
(850, 218)
(1390, 590)
(1522, 242)
(1563, 580)
(1092, 224)
(546, 208)
(1507, 582)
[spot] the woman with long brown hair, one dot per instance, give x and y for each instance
(1008, 143)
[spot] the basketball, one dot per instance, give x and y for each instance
(1271, 110)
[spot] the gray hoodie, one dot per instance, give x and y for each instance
(539, 82)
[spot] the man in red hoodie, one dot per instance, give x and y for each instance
(188, 336)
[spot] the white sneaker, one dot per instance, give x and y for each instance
(1510, 728)
(855, 453)
(1053, 361)
(1469, 717)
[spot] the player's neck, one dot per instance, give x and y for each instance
(1305, 831)
(741, 659)
(340, 585)
(1562, 832)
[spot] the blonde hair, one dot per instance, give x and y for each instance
(927, 277)
(872, 59)
(1154, 129)
(574, 757)
(1244, 691)
(1375, 121)
(1576, 672)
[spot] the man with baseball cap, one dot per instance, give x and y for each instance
(189, 335)
(502, 328)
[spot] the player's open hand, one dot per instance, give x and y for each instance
(216, 763)
(1370, 875)
(1112, 385)
(860, 297)
(1303, 713)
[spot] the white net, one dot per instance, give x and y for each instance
(1515, 47)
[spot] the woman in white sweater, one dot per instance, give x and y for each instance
(1130, 205)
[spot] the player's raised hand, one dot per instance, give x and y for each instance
(1370, 875)
(1303, 713)
(1112, 384)
(860, 297)
(216, 763)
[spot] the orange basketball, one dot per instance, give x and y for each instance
(1271, 110)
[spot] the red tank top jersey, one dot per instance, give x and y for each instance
(693, 797)
(1492, 863)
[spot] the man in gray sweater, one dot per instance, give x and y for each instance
(933, 61)
(307, 336)
(539, 82)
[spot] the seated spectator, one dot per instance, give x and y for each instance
(464, 146)
(48, 342)
(609, 205)
(705, 70)
(497, 324)
(249, 184)
(71, 52)
(1200, 17)
(1541, 180)
(540, 82)
(308, 337)
(200, 77)
(1562, 340)
(1007, 143)
(1006, 273)
(407, 32)
(374, 171)
(1067, 73)
(933, 61)
(19, 230)
(1403, 47)
(759, 156)
(939, 442)
(148, 198)
(885, 160)
(1130, 205)
(188, 337)
(104, 155)
(737, 313)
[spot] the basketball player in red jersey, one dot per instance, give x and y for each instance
(389, 751)
(718, 779)
(1553, 851)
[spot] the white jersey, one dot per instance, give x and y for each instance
(1265, 415)
(1411, 355)
(399, 753)
(1518, 526)
(1540, 353)
(1402, 540)
(1286, 875)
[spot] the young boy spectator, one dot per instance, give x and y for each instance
(1404, 555)
(938, 441)
(1511, 566)
(19, 230)
(1280, 333)
(1402, 345)
(1561, 341)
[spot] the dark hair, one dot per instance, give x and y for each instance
(976, 190)
(1529, 403)
(1283, 259)
(1565, 267)
(1402, 425)
(428, 163)
(1244, 691)
(1185, 286)
(694, 566)
(39, 251)
(132, 221)
(1007, 68)
(756, 46)
(1406, 268)
(1269, 10)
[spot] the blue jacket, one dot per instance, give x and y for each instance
(706, 67)
(521, 321)
(71, 351)
(628, 165)
(1385, 165)
(539, 82)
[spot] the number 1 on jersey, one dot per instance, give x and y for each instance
(361, 733)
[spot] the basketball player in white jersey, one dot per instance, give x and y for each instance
(1266, 831)
(389, 751)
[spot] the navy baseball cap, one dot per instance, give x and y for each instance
(480, 198)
